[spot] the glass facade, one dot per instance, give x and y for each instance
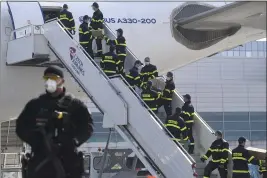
(252, 125)
(255, 49)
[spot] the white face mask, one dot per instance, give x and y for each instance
(147, 63)
(168, 78)
(51, 86)
(139, 67)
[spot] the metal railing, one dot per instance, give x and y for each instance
(190, 159)
(26, 31)
(11, 160)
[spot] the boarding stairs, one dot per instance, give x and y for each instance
(122, 109)
(203, 133)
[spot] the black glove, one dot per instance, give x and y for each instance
(202, 159)
(73, 32)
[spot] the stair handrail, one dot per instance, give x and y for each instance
(192, 161)
(61, 25)
(151, 112)
(163, 77)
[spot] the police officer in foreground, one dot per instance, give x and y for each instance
(219, 150)
(176, 125)
(188, 113)
(109, 62)
(241, 158)
(133, 77)
(150, 97)
(148, 72)
(97, 24)
(166, 98)
(54, 125)
(120, 43)
(67, 20)
(86, 37)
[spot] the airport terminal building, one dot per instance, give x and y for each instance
(229, 91)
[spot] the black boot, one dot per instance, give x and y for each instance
(191, 149)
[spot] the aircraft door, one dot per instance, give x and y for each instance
(23, 15)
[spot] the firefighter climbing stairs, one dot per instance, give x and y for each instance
(122, 109)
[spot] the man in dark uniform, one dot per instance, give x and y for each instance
(262, 169)
(85, 36)
(120, 43)
(54, 125)
(97, 24)
(219, 150)
(241, 158)
(67, 20)
(188, 113)
(133, 77)
(166, 98)
(148, 72)
(176, 125)
(150, 97)
(109, 62)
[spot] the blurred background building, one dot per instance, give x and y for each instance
(229, 91)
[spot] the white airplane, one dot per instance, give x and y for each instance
(172, 34)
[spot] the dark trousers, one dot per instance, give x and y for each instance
(191, 146)
(264, 175)
(239, 175)
(211, 166)
(88, 49)
(99, 46)
(167, 106)
(176, 134)
(121, 64)
(71, 164)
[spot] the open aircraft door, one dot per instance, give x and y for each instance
(27, 35)
(24, 14)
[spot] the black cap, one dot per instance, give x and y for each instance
(120, 31)
(241, 140)
(95, 4)
(219, 133)
(147, 59)
(187, 96)
(169, 74)
(65, 6)
(86, 17)
(54, 70)
(138, 62)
